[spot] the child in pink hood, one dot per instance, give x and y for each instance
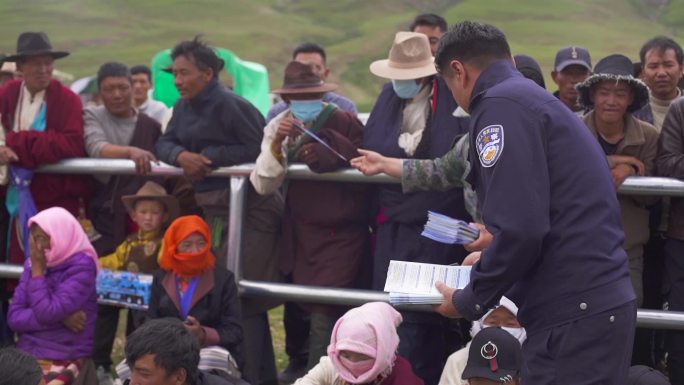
(363, 350)
(54, 307)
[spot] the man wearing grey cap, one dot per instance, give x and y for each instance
(572, 66)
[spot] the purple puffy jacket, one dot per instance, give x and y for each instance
(40, 304)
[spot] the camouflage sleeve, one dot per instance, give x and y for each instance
(439, 174)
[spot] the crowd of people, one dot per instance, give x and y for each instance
(561, 264)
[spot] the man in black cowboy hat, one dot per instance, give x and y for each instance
(42, 123)
(612, 94)
(325, 231)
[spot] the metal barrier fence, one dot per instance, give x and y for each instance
(238, 183)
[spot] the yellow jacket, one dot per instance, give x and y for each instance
(138, 253)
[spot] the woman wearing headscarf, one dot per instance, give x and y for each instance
(504, 316)
(189, 287)
(54, 307)
(363, 350)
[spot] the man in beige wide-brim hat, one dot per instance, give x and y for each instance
(413, 118)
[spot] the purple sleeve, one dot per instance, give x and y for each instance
(20, 317)
(52, 305)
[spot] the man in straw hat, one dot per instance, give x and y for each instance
(42, 123)
(612, 94)
(413, 118)
(325, 230)
(548, 199)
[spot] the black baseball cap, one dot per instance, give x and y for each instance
(572, 55)
(494, 355)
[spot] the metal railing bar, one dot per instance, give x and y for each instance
(632, 185)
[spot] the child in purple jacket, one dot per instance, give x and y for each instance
(55, 305)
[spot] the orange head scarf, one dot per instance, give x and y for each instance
(186, 264)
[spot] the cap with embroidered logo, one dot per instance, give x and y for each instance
(494, 355)
(572, 56)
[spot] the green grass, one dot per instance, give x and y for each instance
(355, 32)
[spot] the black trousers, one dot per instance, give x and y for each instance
(594, 350)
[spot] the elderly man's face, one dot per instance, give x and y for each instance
(433, 33)
(315, 60)
(188, 78)
(116, 95)
(611, 100)
(37, 71)
(566, 81)
(661, 73)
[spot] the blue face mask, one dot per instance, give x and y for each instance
(406, 89)
(306, 110)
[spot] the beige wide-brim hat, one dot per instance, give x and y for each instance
(409, 58)
(153, 191)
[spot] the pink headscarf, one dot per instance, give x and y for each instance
(66, 236)
(371, 330)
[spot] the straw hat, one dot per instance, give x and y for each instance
(409, 58)
(299, 78)
(153, 191)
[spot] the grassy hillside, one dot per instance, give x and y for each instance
(355, 32)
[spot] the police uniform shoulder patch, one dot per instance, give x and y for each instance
(490, 144)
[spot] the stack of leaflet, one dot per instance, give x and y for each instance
(414, 283)
(444, 229)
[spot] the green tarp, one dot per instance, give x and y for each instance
(250, 80)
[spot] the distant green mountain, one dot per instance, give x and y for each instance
(355, 32)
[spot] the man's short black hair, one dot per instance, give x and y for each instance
(200, 53)
(309, 48)
(112, 69)
(472, 42)
(171, 344)
(18, 368)
(430, 19)
(661, 44)
(142, 69)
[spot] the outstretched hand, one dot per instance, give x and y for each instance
(369, 163)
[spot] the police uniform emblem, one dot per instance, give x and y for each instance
(490, 143)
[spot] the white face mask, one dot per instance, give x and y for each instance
(519, 333)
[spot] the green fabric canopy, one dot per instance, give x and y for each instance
(250, 79)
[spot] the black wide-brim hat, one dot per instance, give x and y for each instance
(618, 68)
(32, 44)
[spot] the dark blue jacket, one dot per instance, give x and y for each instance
(216, 123)
(399, 238)
(546, 194)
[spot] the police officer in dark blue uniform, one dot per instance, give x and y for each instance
(545, 194)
